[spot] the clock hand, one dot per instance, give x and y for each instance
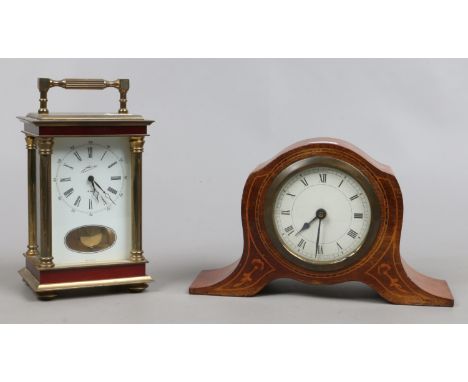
(104, 200)
(318, 238)
(306, 225)
(104, 192)
(319, 214)
(94, 191)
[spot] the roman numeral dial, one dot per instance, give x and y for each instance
(321, 215)
(91, 176)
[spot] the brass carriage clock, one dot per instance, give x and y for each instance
(84, 196)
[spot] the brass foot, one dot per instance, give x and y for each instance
(137, 288)
(46, 296)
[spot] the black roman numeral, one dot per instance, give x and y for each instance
(354, 197)
(70, 167)
(319, 250)
(77, 155)
(90, 152)
(68, 192)
(290, 194)
(302, 244)
(112, 164)
(289, 230)
(65, 179)
(287, 212)
(90, 204)
(358, 215)
(323, 178)
(340, 183)
(339, 246)
(110, 189)
(304, 181)
(352, 233)
(103, 155)
(77, 201)
(116, 177)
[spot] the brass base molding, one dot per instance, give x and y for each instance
(33, 283)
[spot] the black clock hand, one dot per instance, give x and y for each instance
(95, 192)
(104, 192)
(318, 238)
(319, 214)
(306, 225)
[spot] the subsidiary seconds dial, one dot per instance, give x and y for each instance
(322, 215)
(90, 178)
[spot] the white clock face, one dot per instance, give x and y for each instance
(90, 178)
(91, 200)
(322, 215)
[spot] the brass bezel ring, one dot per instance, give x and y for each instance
(312, 162)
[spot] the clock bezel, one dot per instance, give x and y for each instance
(313, 162)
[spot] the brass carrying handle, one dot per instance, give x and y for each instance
(44, 84)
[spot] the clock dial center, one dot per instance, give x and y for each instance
(321, 213)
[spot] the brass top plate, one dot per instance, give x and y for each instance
(83, 117)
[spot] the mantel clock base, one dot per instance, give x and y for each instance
(268, 255)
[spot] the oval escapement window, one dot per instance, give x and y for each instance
(90, 238)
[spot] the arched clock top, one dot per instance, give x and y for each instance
(323, 212)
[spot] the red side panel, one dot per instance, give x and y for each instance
(88, 273)
(92, 130)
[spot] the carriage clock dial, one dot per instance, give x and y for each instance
(322, 215)
(90, 178)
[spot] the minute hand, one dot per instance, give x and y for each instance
(317, 245)
(104, 192)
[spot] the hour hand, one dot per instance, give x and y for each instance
(319, 214)
(93, 191)
(306, 226)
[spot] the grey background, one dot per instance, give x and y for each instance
(217, 119)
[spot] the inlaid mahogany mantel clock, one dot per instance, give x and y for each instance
(84, 196)
(323, 212)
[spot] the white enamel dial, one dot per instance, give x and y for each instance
(322, 215)
(90, 178)
(91, 192)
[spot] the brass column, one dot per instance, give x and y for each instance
(32, 205)
(136, 150)
(45, 151)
